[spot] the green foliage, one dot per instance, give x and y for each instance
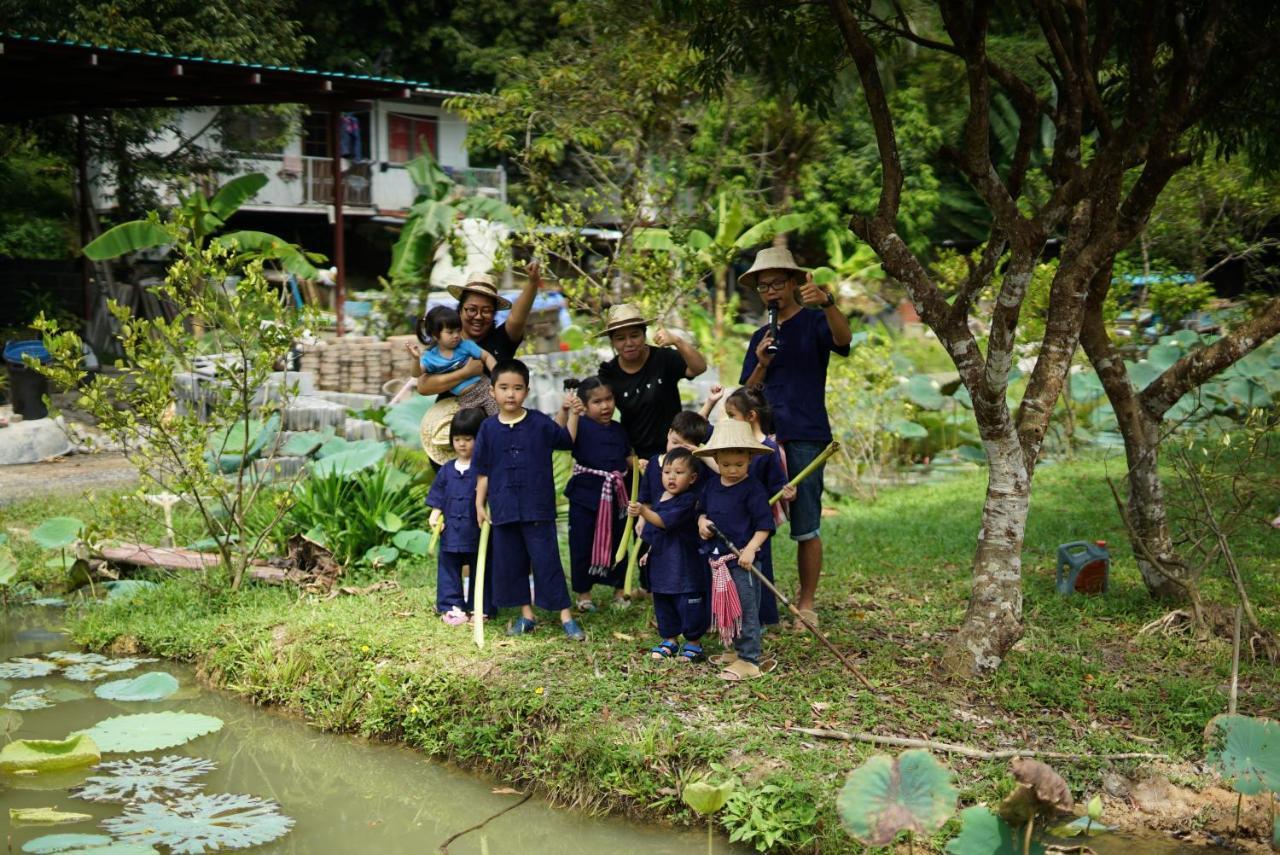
(58, 532)
(984, 833)
(201, 823)
(1246, 751)
(36, 219)
(357, 516)
(912, 792)
(144, 779)
(1173, 300)
(707, 798)
(48, 755)
(147, 687)
(151, 731)
(776, 813)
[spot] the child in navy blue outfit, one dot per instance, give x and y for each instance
(678, 574)
(514, 476)
(452, 498)
(748, 405)
(597, 491)
(735, 505)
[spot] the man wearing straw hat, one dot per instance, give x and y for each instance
(793, 371)
(644, 377)
(478, 302)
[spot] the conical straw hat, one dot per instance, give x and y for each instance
(733, 435)
(434, 430)
(770, 258)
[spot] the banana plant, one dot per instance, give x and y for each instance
(715, 253)
(196, 219)
(432, 218)
(861, 264)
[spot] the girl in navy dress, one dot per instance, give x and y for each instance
(735, 504)
(746, 404)
(678, 574)
(514, 476)
(597, 492)
(453, 498)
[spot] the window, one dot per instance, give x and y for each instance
(254, 131)
(315, 134)
(409, 136)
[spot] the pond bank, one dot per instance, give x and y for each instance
(601, 727)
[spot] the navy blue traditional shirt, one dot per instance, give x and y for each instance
(675, 565)
(651, 488)
(517, 460)
(454, 493)
(739, 511)
(768, 469)
(795, 383)
(598, 446)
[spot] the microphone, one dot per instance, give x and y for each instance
(773, 327)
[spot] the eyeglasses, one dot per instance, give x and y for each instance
(775, 285)
(478, 311)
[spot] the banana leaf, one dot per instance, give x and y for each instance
(126, 238)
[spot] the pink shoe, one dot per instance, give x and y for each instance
(454, 617)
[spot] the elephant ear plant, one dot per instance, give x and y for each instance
(912, 792)
(707, 799)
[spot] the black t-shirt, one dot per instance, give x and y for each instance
(499, 343)
(649, 399)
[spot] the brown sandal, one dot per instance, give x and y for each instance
(739, 670)
(726, 658)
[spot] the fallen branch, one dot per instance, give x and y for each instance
(444, 847)
(173, 558)
(963, 750)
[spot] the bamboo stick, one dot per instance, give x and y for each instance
(629, 531)
(822, 458)
(477, 614)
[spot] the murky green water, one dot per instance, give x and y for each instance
(346, 794)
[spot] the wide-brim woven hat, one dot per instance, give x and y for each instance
(482, 284)
(434, 430)
(621, 317)
(733, 435)
(771, 258)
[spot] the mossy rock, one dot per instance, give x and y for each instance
(47, 755)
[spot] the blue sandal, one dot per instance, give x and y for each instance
(691, 652)
(665, 650)
(574, 630)
(521, 626)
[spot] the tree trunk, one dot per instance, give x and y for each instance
(993, 621)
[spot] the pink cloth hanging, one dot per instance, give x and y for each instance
(726, 608)
(614, 486)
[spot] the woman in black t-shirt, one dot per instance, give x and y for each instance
(644, 377)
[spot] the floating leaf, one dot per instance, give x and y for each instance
(412, 540)
(52, 843)
(44, 816)
(151, 731)
(48, 755)
(147, 687)
(1246, 751)
(912, 792)
(1078, 826)
(24, 668)
(74, 657)
(28, 699)
(202, 823)
(984, 833)
(705, 797)
(144, 779)
(90, 671)
(58, 532)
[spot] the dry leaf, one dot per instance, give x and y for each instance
(622, 636)
(505, 791)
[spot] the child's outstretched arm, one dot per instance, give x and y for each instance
(645, 513)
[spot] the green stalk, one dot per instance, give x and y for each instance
(1026, 838)
(822, 458)
(629, 531)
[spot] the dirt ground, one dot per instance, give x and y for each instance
(72, 474)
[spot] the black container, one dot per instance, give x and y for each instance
(27, 387)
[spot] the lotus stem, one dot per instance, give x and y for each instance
(822, 458)
(1026, 838)
(436, 529)
(629, 531)
(633, 566)
(710, 837)
(477, 582)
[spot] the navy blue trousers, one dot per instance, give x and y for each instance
(682, 614)
(582, 531)
(768, 602)
(449, 588)
(521, 549)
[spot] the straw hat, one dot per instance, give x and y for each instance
(733, 435)
(770, 258)
(434, 430)
(622, 316)
(482, 284)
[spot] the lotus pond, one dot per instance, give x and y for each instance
(205, 771)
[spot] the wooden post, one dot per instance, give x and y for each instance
(85, 207)
(339, 253)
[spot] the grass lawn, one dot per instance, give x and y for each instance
(600, 726)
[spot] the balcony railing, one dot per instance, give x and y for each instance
(317, 182)
(480, 181)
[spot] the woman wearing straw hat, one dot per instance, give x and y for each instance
(478, 302)
(793, 371)
(644, 377)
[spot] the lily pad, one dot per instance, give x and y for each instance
(413, 540)
(705, 797)
(58, 532)
(151, 731)
(984, 833)
(1246, 751)
(202, 823)
(884, 796)
(1078, 826)
(25, 668)
(147, 687)
(28, 699)
(52, 843)
(53, 602)
(90, 671)
(48, 755)
(44, 816)
(74, 657)
(144, 779)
